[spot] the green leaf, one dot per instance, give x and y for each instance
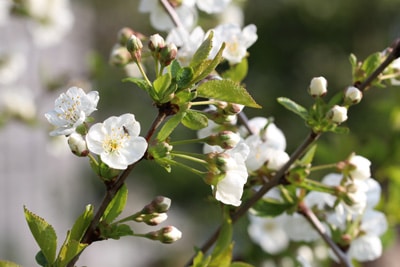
(44, 235)
(174, 68)
(141, 83)
(195, 120)
(161, 85)
(203, 51)
(116, 205)
(82, 223)
(200, 261)
(226, 90)
(240, 264)
(8, 264)
(41, 259)
(294, 107)
(309, 156)
(237, 72)
(341, 130)
(372, 63)
(169, 126)
(69, 250)
(119, 231)
(222, 253)
(207, 66)
(184, 77)
(270, 207)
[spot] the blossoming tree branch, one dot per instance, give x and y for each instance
(197, 81)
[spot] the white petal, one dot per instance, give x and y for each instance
(366, 248)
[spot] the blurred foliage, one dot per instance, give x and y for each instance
(298, 40)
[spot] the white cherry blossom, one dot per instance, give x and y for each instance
(117, 141)
(71, 110)
(361, 167)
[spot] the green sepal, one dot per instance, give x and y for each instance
(44, 235)
(226, 90)
(202, 52)
(200, 260)
(141, 83)
(82, 223)
(8, 264)
(237, 72)
(69, 250)
(169, 126)
(116, 205)
(294, 107)
(115, 231)
(269, 207)
(240, 264)
(194, 120)
(106, 173)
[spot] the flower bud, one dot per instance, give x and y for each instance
(159, 204)
(352, 95)
(318, 87)
(134, 46)
(78, 145)
(152, 219)
(168, 53)
(124, 34)
(120, 56)
(337, 114)
(156, 43)
(168, 234)
(224, 139)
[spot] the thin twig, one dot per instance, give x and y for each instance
(315, 222)
(171, 12)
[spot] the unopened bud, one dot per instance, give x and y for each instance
(166, 235)
(134, 46)
(168, 53)
(224, 139)
(318, 87)
(78, 145)
(159, 204)
(120, 56)
(156, 42)
(353, 95)
(337, 114)
(124, 34)
(152, 219)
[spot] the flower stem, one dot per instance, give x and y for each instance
(171, 12)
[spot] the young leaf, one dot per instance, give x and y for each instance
(141, 83)
(68, 251)
(44, 235)
(222, 253)
(294, 107)
(8, 264)
(118, 231)
(237, 72)
(162, 83)
(240, 264)
(309, 156)
(200, 261)
(195, 120)
(226, 90)
(169, 126)
(184, 77)
(41, 259)
(82, 223)
(116, 205)
(203, 51)
(207, 66)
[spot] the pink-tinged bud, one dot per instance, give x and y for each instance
(337, 114)
(353, 95)
(168, 234)
(124, 34)
(78, 145)
(224, 139)
(135, 46)
(168, 53)
(318, 87)
(156, 218)
(159, 204)
(156, 42)
(120, 56)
